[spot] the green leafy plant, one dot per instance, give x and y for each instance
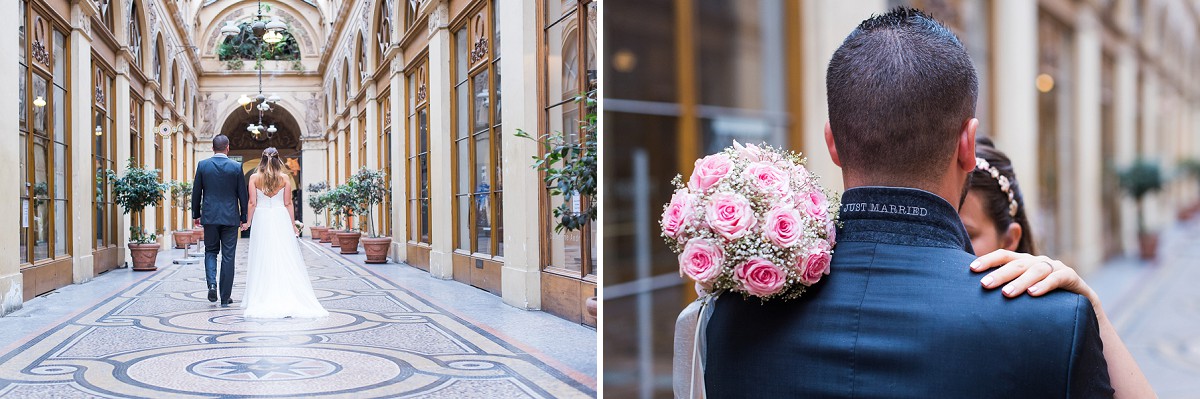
(245, 45)
(1139, 179)
(317, 200)
(569, 168)
(235, 64)
(341, 204)
(41, 193)
(138, 189)
(181, 195)
(369, 189)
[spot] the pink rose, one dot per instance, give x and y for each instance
(749, 152)
(815, 204)
(679, 213)
(760, 277)
(701, 260)
(729, 215)
(783, 226)
(708, 171)
(766, 177)
(799, 172)
(816, 264)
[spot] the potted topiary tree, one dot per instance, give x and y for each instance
(349, 201)
(369, 190)
(135, 191)
(335, 216)
(181, 194)
(316, 200)
(1139, 179)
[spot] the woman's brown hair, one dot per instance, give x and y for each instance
(995, 201)
(271, 171)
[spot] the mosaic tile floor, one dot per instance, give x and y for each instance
(160, 337)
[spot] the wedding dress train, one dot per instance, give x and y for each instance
(277, 282)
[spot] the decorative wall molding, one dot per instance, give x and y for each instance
(439, 18)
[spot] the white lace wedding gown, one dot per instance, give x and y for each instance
(277, 283)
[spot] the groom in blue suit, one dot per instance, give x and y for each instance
(219, 197)
(900, 314)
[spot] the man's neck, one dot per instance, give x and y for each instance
(950, 191)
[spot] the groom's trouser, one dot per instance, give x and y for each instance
(223, 240)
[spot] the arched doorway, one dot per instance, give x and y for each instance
(247, 149)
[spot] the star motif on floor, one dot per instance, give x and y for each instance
(263, 368)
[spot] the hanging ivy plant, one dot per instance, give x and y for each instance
(570, 170)
(245, 46)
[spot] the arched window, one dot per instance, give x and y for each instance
(157, 65)
(346, 81)
(174, 81)
(106, 12)
(363, 71)
(410, 15)
(383, 33)
(135, 33)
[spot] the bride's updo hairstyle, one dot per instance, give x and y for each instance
(271, 171)
(1003, 203)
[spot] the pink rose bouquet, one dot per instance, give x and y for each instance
(751, 219)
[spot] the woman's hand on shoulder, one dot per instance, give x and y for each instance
(1035, 275)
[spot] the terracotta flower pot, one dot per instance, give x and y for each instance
(591, 306)
(316, 232)
(1149, 245)
(349, 241)
(198, 235)
(331, 238)
(183, 238)
(377, 248)
(144, 256)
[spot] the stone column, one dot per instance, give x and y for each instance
(372, 129)
(440, 165)
(81, 133)
(1087, 173)
(399, 177)
(312, 157)
(1014, 67)
(351, 138)
(521, 276)
(11, 294)
(826, 25)
(1149, 142)
(122, 118)
(149, 130)
(1125, 104)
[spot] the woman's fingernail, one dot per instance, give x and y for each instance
(1008, 290)
(975, 265)
(1033, 289)
(987, 281)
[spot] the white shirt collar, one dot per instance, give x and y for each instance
(222, 155)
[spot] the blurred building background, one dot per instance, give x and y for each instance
(1073, 90)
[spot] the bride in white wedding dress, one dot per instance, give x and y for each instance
(277, 283)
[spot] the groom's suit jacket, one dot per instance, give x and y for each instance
(902, 316)
(219, 195)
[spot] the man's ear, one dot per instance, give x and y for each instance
(1012, 237)
(832, 147)
(966, 146)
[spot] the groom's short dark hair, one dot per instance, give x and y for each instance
(221, 142)
(900, 89)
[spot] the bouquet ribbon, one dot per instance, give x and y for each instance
(690, 347)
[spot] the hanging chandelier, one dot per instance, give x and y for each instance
(271, 32)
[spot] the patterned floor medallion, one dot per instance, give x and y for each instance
(162, 338)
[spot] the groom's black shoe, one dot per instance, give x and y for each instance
(212, 294)
(225, 302)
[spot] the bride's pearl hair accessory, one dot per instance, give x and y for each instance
(1005, 186)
